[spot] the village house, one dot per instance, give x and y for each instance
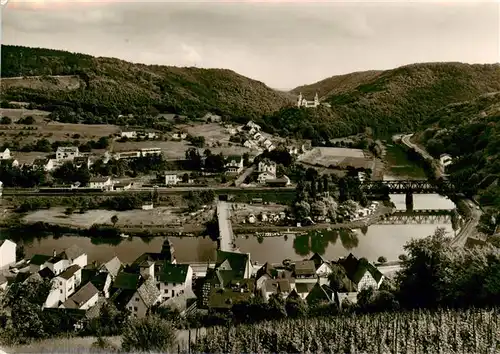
(230, 268)
(150, 151)
(101, 182)
(174, 280)
(37, 261)
(127, 155)
(129, 134)
(360, 274)
(5, 155)
(234, 164)
(267, 166)
(122, 186)
(265, 176)
(3, 282)
(72, 255)
(445, 160)
(179, 136)
(7, 253)
(134, 293)
(305, 272)
(171, 179)
(322, 295)
(212, 118)
(44, 164)
(253, 125)
(283, 181)
(64, 285)
(323, 268)
(113, 266)
(82, 161)
(83, 299)
(67, 153)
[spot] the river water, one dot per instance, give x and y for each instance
(371, 242)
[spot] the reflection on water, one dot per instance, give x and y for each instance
(370, 242)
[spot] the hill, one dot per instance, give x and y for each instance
(387, 101)
(108, 87)
(470, 132)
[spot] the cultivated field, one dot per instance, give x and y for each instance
(16, 113)
(42, 83)
(159, 217)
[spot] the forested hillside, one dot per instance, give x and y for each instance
(108, 87)
(470, 133)
(387, 101)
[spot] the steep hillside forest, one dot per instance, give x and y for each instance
(387, 101)
(107, 87)
(470, 132)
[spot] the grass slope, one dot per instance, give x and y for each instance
(388, 101)
(112, 86)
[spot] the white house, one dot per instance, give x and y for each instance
(146, 296)
(7, 253)
(64, 285)
(361, 273)
(101, 182)
(150, 151)
(445, 160)
(113, 266)
(171, 179)
(130, 134)
(74, 255)
(175, 280)
(83, 299)
(5, 155)
(234, 164)
(253, 125)
(302, 102)
(179, 136)
(67, 153)
(265, 176)
(267, 166)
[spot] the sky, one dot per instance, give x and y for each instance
(281, 43)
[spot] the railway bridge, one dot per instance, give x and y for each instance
(403, 217)
(408, 187)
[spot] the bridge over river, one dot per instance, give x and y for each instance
(403, 217)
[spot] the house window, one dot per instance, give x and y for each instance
(165, 291)
(175, 284)
(60, 290)
(173, 292)
(137, 299)
(135, 308)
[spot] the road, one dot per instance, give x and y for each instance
(470, 227)
(226, 236)
(406, 139)
(244, 175)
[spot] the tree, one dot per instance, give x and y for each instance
(382, 260)
(114, 219)
(149, 334)
(5, 120)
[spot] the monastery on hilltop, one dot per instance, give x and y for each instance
(302, 102)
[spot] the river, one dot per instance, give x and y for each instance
(371, 242)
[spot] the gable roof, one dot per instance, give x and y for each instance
(127, 281)
(39, 259)
(99, 280)
(54, 260)
(320, 293)
(46, 273)
(278, 286)
(67, 149)
(113, 266)
(71, 253)
(304, 268)
(83, 295)
(356, 269)
(149, 293)
(2, 242)
(174, 273)
(69, 272)
(99, 179)
(237, 262)
(318, 260)
(268, 269)
(304, 288)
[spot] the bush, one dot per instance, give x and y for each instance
(149, 334)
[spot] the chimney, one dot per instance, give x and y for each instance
(54, 253)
